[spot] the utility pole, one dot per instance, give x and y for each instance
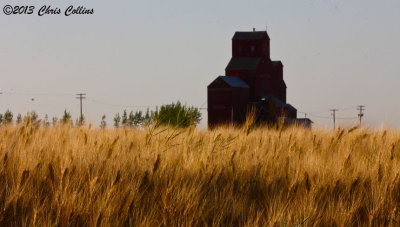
(80, 97)
(334, 117)
(361, 114)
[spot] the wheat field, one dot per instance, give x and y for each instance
(82, 176)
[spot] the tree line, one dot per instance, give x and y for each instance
(175, 114)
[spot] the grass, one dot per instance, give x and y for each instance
(71, 176)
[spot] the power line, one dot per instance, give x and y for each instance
(346, 118)
(312, 112)
(326, 117)
(119, 105)
(37, 94)
(133, 107)
(346, 108)
(318, 116)
(327, 111)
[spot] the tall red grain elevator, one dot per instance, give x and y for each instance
(252, 80)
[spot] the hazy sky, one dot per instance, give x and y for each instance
(132, 54)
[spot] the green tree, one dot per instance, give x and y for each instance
(35, 117)
(66, 118)
(8, 117)
(103, 123)
(19, 119)
(131, 119)
(136, 119)
(117, 120)
(32, 118)
(124, 120)
(1, 119)
(148, 118)
(177, 115)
